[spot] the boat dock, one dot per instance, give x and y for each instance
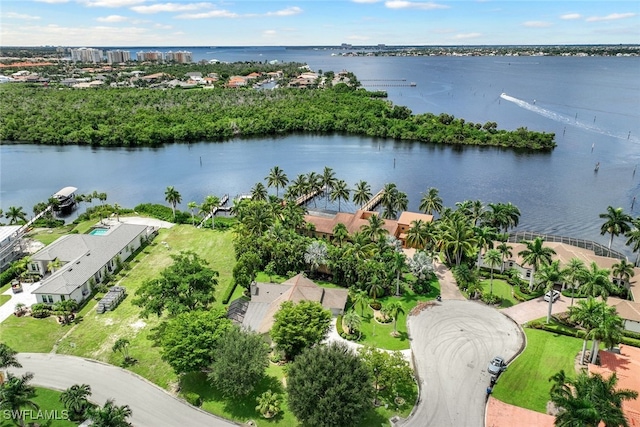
(306, 197)
(373, 202)
(220, 207)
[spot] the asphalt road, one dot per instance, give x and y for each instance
(453, 342)
(151, 406)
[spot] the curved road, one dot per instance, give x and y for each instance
(453, 342)
(151, 406)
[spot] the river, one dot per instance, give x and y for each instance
(592, 104)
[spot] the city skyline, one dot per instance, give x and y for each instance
(313, 22)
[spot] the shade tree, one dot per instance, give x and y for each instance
(299, 326)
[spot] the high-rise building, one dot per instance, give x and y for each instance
(87, 54)
(181, 57)
(149, 56)
(118, 56)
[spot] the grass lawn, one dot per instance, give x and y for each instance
(502, 289)
(27, 334)
(49, 403)
(526, 382)
(4, 298)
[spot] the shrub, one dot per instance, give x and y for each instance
(376, 305)
(9, 274)
(40, 310)
(228, 293)
(491, 299)
(339, 328)
(193, 398)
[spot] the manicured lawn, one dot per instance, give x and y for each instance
(52, 414)
(526, 382)
(4, 298)
(502, 289)
(26, 334)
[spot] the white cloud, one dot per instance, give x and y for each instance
(570, 16)
(286, 12)
(611, 17)
(171, 7)
(365, 1)
(13, 15)
(110, 3)
(467, 36)
(403, 4)
(163, 26)
(53, 1)
(210, 14)
(112, 18)
(536, 24)
(269, 33)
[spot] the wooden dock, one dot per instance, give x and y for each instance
(373, 202)
(220, 207)
(306, 197)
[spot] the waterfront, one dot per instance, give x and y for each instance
(591, 104)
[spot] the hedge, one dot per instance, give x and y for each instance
(229, 292)
(8, 275)
(339, 325)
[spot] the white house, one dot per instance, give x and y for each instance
(85, 259)
(629, 311)
(10, 244)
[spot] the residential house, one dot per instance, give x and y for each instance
(10, 245)
(629, 311)
(84, 260)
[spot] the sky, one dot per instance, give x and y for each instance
(316, 22)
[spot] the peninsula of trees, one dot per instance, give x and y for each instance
(149, 117)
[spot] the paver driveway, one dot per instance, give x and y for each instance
(453, 342)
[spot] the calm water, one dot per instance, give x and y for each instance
(592, 104)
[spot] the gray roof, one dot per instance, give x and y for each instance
(83, 255)
(66, 192)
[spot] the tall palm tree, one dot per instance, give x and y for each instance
(277, 178)
(328, 181)
(633, 238)
(608, 330)
(374, 228)
(75, 400)
(299, 186)
(420, 234)
(258, 218)
(484, 239)
(360, 299)
(395, 309)
(315, 184)
(547, 277)
(109, 415)
(15, 214)
(340, 233)
(596, 281)
(506, 252)
(431, 202)
(340, 192)
(210, 205)
(457, 238)
(399, 262)
(361, 193)
(623, 271)
(388, 200)
(192, 207)
(616, 222)
(352, 321)
(575, 272)
(536, 254)
(589, 400)
(502, 216)
(8, 357)
(492, 259)
(375, 288)
(586, 313)
(259, 192)
(16, 394)
(173, 197)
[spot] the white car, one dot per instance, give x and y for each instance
(552, 295)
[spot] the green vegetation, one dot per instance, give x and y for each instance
(501, 289)
(526, 382)
(134, 117)
(27, 334)
(47, 400)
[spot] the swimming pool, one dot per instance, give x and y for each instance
(99, 231)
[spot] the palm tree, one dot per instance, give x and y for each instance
(388, 200)
(328, 181)
(420, 234)
(268, 404)
(340, 192)
(315, 184)
(192, 207)
(574, 272)
(374, 228)
(277, 178)
(399, 264)
(8, 357)
(431, 202)
(65, 309)
(623, 271)
(102, 197)
(299, 186)
(361, 193)
(375, 288)
(589, 400)
(502, 216)
(616, 222)
(394, 309)
(484, 239)
(596, 281)
(360, 298)
(258, 218)
(492, 259)
(340, 233)
(16, 394)
(457, 238)
(608, 330)
(54, 265)
(173, 197)
(259, 192)
(110, 415)
(547, 277)
(315, 255)
(633, 238)
(352, 321)
(506, 252)
(586, 313)
(122, 345)
(210, 205)
(536, 254)
(15, 214)
(75, 400)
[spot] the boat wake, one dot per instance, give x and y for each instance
(563, 118)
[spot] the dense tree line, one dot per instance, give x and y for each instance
(137, 117)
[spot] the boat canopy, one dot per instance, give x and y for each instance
(66, 192)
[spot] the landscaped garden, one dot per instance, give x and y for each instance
(51, 412)
(501, 289)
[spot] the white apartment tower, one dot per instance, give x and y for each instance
(181, 57)
(118, 56)
(87, 54)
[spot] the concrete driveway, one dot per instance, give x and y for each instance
(536, 308)
(151, 406)
(453, 342)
